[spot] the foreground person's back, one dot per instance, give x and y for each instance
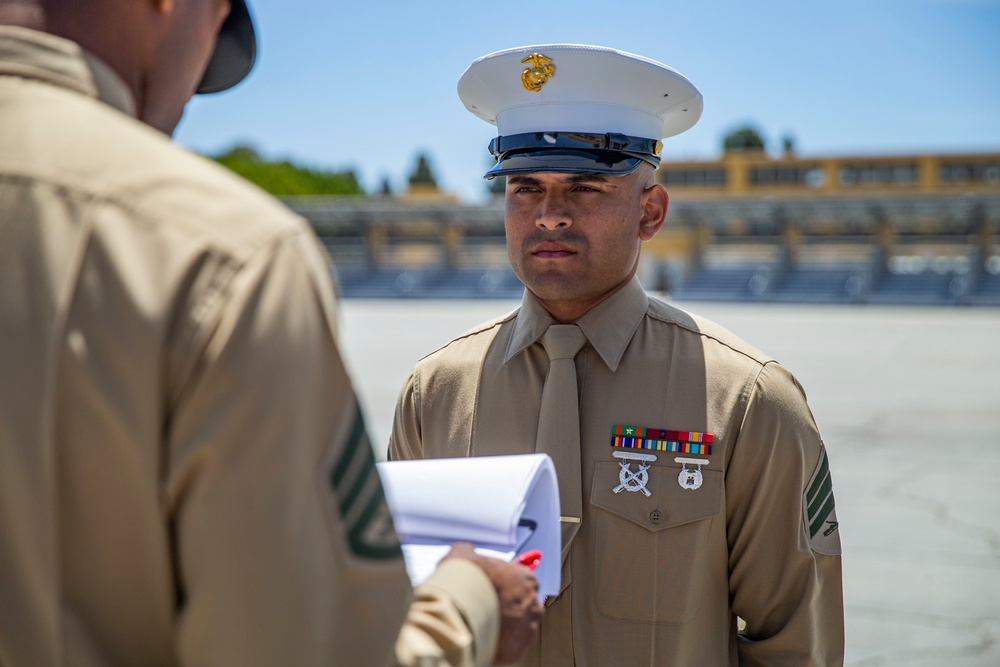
(151, 305)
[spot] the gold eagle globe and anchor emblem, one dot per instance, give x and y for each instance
(542, 70)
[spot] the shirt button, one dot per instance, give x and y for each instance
(655, 516)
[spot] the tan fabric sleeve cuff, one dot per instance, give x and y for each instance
(475, 598)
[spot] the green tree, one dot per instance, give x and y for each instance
(745, 138)
(422, 175)
(285, 178)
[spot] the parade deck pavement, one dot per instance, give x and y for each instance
(908, 402)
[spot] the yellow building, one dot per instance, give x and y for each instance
(847, 229)
(752, 226)
(755, 174)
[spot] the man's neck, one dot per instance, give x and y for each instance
(568, 312)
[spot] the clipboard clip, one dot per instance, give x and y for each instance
(530, 559)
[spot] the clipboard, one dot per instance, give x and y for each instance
(503, 505)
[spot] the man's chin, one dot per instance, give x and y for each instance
(170, 124)
(554, 286)
(164, 118)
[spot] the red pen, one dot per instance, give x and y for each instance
(530, 559)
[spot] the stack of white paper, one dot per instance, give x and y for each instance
(503, 505)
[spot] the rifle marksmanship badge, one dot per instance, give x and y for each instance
(624, 437)
(633, 481)
(541, 70)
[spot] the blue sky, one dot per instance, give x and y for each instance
(368, 85)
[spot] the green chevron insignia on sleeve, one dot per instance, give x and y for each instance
(819, 510)
(360, 497)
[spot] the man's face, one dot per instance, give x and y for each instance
(573, 239)
(175, 66)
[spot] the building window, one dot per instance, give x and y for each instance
(785, 176)
(878, 174)
(693, 177)
(969, 172)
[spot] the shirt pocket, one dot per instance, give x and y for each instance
(650, 552)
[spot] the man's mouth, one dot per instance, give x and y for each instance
(552, 250)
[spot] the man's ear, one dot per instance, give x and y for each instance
(654, 211)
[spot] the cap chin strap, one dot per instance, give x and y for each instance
(645, 149)
(568, 161)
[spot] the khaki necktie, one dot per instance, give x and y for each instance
(559, 423)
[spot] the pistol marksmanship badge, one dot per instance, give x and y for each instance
(542, 70)
(660, 440)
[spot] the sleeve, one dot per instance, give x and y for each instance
(785, 563)
(284, 547)
(405, 441)
(457, 589)
(453, 618)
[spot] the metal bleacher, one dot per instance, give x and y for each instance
(987, 293)
(429, 283)
(924, 288)
(830, 285)
(913, 251)
(728, 284)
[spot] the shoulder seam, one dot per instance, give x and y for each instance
(667, 320)
(475, 331)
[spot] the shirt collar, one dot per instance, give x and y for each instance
(609, 326)
(60, 62)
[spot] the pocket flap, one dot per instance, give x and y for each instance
(668, 504)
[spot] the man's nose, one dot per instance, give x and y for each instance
(553, 214)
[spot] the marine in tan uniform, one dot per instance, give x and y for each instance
(702, 482)
(185, 476)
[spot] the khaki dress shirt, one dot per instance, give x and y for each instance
(185, 476)
(657, 580)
